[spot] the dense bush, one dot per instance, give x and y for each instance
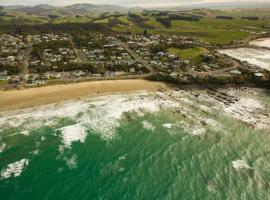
(164, 21)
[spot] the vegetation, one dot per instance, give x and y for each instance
(11, 69)
(38, 49)
(192, 54)
(199, 23)
(164, 21)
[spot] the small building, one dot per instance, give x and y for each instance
(235, 72)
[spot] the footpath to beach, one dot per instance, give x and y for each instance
(16, 99)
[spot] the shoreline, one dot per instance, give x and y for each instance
(244, 44)
(19, 99)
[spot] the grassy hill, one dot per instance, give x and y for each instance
(198, 23)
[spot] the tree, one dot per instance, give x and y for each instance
(2, 13)
(145, 32)
(53, 16)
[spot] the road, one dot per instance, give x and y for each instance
(27, 56)
(217, 72)
(137, 58)
(75, 49)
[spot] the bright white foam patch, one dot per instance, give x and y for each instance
(199, 131)
(265, 42)
(72, 161)
(169, 126)
(14, 169)
(26, 133)
(73, 133)
(148, 126)
(258, 57)
(3, 146)
(101, 114)
(240, 164)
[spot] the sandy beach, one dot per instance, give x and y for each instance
(18, 99)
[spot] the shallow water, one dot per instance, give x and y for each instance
(258, 57)
(264, 42)
(137, 146)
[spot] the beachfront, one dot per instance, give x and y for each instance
(17, 99)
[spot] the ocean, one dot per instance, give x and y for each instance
(181, 144)
(259, 56)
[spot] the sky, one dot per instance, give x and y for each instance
(142, 3)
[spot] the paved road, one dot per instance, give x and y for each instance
(27, 56)
(216, 72)
(75, 49)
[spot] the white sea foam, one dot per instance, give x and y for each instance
(3, 146)
(213, 123)
(258, 57)
(26, 133)
(42, 138)
(35, 152)
(73, 133)
(14, 169)
(204, 108)
(249, 110)
(148, 126)
(264, 42)
(199, 131)
(72, 161)
(169, 126)
(38, 116)
(240, 164)
(101, 114)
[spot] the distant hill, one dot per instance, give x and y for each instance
(96, 8)
(81, 9)
(203, 9)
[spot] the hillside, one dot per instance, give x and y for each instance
(82, 9)
(217, 27)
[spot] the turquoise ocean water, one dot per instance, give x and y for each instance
(142, 146)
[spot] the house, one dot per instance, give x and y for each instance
(11, 58)
(96, 75)
(235, 72)
(120, 73)
(4, 75)
(132, 70)
(14, 80)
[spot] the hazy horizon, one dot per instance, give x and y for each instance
(125, 3)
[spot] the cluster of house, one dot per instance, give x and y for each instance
(118, 55)
(110, 54)
(11, 49)
(48, 38)
(162, 59)
(53, 57)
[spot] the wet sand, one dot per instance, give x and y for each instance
(17, 99)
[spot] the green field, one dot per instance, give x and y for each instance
(216, 32)
(191, 54)
(208, 29)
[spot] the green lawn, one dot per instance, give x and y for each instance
(191, 54)
(214, 31)
(3, 82)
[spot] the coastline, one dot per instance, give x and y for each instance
(18, 99)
